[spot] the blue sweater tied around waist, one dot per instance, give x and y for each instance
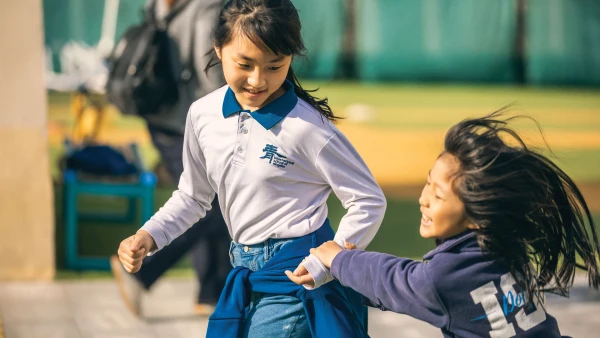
(331, 310)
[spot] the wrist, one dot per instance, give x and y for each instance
(149, 242)
(317, 270)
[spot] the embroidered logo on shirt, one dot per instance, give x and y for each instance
(274, 157)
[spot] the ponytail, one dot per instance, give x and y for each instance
(320, 105)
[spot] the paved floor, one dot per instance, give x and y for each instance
(93, 309)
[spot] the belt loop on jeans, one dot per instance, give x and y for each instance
(267, 250)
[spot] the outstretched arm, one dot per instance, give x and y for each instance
(398, 284)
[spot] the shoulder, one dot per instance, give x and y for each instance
(463, 268)
(309, 124)
(455, 256)
(310, 130)
(209, 105)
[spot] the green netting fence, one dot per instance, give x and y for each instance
(563, 45)
(81, 20)
(407, 40)
(439, 40)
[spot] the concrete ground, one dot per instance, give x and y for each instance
(94, 309)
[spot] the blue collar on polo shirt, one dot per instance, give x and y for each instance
(269, 115)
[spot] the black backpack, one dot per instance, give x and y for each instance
(140, 78)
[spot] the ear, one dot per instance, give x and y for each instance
(467, 223)
(218, 51)
(472, 226)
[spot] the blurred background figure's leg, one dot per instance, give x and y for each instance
(210, 257)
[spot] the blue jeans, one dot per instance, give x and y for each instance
(269, 315)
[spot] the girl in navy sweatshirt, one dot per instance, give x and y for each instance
(510, 225)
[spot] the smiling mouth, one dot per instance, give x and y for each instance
(426, 220)
(254, 92)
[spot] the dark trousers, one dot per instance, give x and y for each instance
(208, 240)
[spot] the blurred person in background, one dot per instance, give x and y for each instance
(208, 240)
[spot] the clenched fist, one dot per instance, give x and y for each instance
(132, 250)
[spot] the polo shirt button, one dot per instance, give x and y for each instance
(245, 131)
(246, 248)
(240, 150)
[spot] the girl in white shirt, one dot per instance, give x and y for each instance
(269, 149)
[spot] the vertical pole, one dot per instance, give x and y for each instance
(520, 42)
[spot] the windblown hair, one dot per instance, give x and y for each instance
(272, 25)
(528, 211)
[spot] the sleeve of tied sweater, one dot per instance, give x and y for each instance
(190, 201)
(344, 170)
(391, 283)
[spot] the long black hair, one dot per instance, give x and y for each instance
(272, 25)
(528, 211)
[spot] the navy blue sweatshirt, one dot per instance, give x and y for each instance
(456, 288)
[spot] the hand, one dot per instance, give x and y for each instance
(134, 249)
(328, 250)
(301, 276)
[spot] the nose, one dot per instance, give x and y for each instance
(423, 199)
(256, 79)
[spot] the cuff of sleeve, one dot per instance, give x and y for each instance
(157, 235)
(318, 271)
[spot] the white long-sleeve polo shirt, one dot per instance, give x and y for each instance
(273, 170)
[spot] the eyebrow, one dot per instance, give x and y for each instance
(442, 190)
(437, 186)
(247, 58)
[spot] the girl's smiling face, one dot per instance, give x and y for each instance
(254, 75)
(443, 213)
